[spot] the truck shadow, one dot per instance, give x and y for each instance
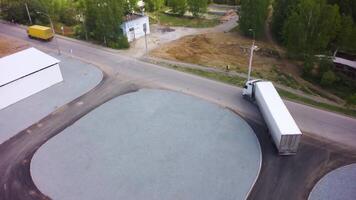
(293, 177)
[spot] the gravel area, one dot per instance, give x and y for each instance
(78, 77)
(151, 144)
(339, 184)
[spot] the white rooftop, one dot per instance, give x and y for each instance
(343, 61)
(278, 109)
(23, 63)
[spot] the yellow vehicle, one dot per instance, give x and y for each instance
(40, 32)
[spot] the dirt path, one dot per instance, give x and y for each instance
(9, 45)
(161, 35)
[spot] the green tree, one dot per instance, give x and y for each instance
(131, 6)
(154, 5)
(347, 7)
(281, 9)
(346, 38)
(197, 7)
(253, 15)
(102, 22)
(178, 6)
(310, 27)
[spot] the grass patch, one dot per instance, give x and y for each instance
(174, 20)
(294, 97)
(238, 81)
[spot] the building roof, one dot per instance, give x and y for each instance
(132, 16)
(23, 63)
(346, 62)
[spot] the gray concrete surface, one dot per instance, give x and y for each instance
(79, 78)
(318, 123)
(151, 144)
(339, 184)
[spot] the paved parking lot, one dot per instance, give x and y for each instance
(339, 184)
(150, 144)
(79, 78)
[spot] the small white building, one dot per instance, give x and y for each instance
(25, 73)
(134, 26)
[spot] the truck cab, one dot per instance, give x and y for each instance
(248, 92)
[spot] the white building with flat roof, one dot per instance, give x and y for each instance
(25, 73)
(134, 26)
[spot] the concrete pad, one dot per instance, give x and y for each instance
(151, 144)
(339, 184)
(78, 77)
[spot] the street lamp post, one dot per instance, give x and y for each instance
(52, 27)
(253, 47)
(28, 14)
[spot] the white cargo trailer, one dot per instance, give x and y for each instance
(282, 127)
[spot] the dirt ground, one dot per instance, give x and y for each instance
(220, 49)
(9, 45)
(214, 50)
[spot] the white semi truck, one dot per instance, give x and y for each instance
(282, 127)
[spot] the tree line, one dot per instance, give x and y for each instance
(305, 27)
(308, 28)
(95, 20)
(179, 7)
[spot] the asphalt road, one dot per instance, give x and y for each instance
(280, 177)
(321, 123)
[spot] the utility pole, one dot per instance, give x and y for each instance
(54, 33)
(28, 14)
(253, 47)
(145, 30)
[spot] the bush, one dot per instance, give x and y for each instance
(351, 100)
(197, 7)
(328, 78)
(324, 66)
(79, 32)
(308, 67)
(120, 43)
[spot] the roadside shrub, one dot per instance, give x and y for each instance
(324, 66)
(328, 78)
(120, 43)
(197, 7)
(178, 7)
(79, 32)
(351, 100)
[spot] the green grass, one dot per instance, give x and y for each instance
(294, 97)
(238, 81)
(173, 20)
